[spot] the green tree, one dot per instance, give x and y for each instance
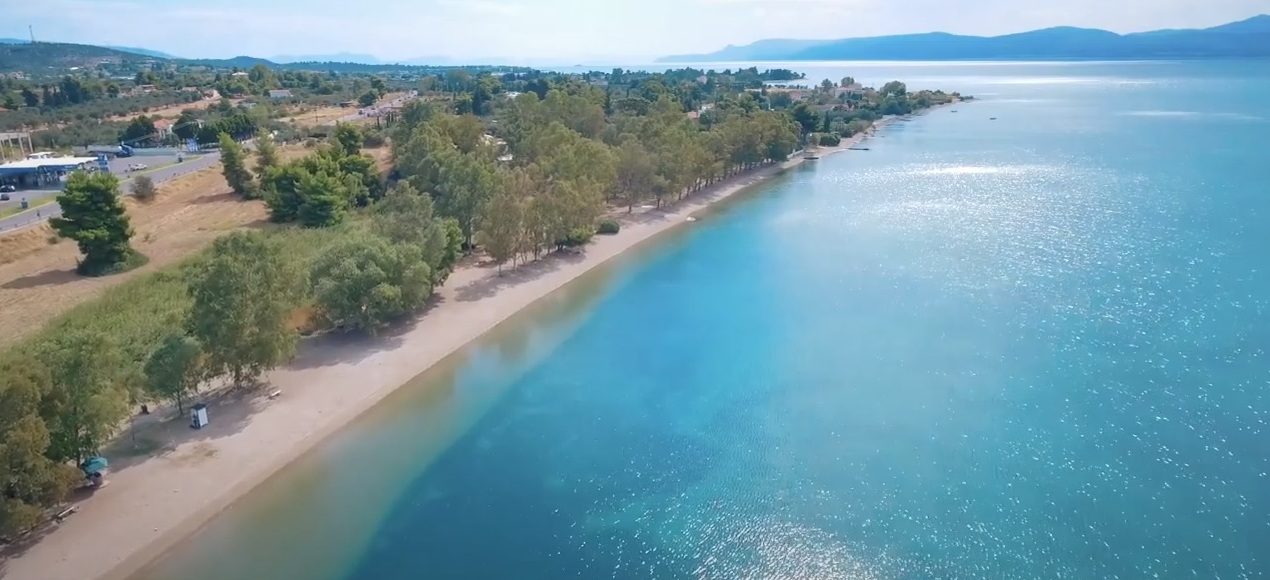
(10, 102)
(281, 187)
(365, 282)
(637, 177)
(406, 216)
(233, 159)
(806, 117)
(324, 200)
(88, 393)
(93, 216)
(30, 98)
(175, 369)
(466, 183)
(140, 131)
(503, 226)
(143, 188)
(243, 294)
(29, 479)
(266, 153)
(893, 89)
(349, 138)
(186, 126)
(368, 98)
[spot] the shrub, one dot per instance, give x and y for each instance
(608, 227)
(830, 140)
(577, 237)
(143, 188)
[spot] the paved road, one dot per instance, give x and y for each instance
(159, 174)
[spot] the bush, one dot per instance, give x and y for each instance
(143, 188)
(577, 237)
(830, 140)
(608, 227)
(374, 139)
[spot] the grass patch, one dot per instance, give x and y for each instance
(17, 209)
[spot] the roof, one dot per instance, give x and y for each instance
(279, 93)
(26, 165)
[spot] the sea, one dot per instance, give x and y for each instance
(1023, 336)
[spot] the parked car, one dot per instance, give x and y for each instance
(4, 197)
(137, 166)
(8, 188)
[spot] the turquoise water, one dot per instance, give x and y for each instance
(1029, 347)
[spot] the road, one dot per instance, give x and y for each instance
(160, 173)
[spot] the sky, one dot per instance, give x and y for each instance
(561, 31)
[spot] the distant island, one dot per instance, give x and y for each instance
(1246, 38)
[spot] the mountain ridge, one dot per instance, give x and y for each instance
(1244, 38)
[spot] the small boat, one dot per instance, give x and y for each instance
(992, 118)
(857, 148)
(811, 157)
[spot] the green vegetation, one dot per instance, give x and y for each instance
(366, 281)
(233, 159)
(143, 188)
(243, 293)
(93, 216)
(475, 170)
(174, 370)
(608, 228)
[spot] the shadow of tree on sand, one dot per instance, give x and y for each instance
(491, 283)
(45, 278)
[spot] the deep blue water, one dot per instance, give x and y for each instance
(1029, 347)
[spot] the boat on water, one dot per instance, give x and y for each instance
(811, 157)
(857, 148)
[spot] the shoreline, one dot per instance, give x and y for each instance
(159, 499)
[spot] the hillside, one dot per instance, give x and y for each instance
(53, 58)
(1246, 38)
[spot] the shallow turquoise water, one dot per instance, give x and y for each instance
(1029, 347)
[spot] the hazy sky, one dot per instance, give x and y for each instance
(561, 30)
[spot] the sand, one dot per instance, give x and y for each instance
(163, 496)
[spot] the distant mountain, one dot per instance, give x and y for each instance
(1246, 38)
(142, 51)
(56, 58)
(337, 57)
(13, 41)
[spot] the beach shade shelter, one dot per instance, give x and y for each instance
(95, 469)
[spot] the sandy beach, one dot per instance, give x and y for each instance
(158, 498)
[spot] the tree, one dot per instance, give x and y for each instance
(10, 102)
(637, 177)
(93, 216)
(243, 294)
(323, 200)
(503, 225)
(88, 393)
(140, 131)
(847, 81)
(29, 479)
(367, 99)
(806, 117)
(233, 159)
(30, 98)
(175, 369)
(466, 182)
(893, 89)
(349, 138)
(143, 188)
(365, 282)
(281, 187)
(406, 216)
(186, 126)
(266, 153)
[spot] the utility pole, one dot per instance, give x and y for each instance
(30, 29)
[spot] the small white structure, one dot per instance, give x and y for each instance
(198, 416)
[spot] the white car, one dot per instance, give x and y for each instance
(137, 166)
